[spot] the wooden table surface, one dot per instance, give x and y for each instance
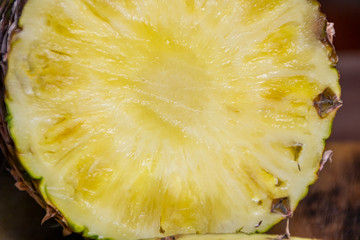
(330, 211)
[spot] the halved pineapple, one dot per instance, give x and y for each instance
(150, 118)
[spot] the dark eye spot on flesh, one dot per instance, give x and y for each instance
(327, 102)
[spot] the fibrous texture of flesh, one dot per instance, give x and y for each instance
(152, 118)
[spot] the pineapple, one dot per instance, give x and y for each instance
(229, 237)
(151, 118)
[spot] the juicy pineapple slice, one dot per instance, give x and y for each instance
(149, 118)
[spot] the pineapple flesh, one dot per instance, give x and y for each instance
(149, 118)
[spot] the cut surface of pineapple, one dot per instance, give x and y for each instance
(150, 118)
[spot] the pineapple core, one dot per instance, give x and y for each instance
(149, 118)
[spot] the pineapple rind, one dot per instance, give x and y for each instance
(77, 221)
(238, 236)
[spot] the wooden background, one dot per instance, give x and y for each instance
(330, 211)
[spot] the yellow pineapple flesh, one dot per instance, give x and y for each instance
(149, 118)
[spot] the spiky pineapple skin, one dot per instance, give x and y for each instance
(10, 11)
